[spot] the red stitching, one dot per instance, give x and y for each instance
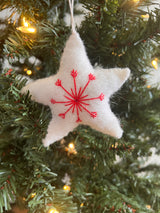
(77, 99)
(74, 73)
(58, 82)
(91, 77)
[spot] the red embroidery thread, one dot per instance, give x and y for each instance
(76, 100)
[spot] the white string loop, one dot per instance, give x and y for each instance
(71, 5)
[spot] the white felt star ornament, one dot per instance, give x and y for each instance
(78, 93)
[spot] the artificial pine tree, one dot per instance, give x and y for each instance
(86, 171)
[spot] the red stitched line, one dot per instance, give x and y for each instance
(68, 98)
(73, 108)
(68, 109)
(79, 91)
(79, 107)
(91, 78)
(66, 91)
(84, 88)
(84, 103)
(88, 99)
(85, 109)
(83, 97)
(78, 119)
(72, 92)
(59, 102)
(68, 104)
(75, 87)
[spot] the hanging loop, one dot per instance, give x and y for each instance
(71, 5)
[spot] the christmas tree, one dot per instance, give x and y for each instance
(86, 171)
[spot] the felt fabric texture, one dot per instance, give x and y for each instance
(78, 94)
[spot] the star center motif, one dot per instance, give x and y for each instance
(76, 100)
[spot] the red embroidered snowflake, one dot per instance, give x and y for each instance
(76, 100)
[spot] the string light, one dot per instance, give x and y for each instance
(136, 1)
(29, 72)
(71, 148)
(26, 28)
(66, 188)
(115, 145)
(155, 63)
(148, 206)
(31, 30)
(25, 23)
(33, 195)
(53, 211)
(146, 16)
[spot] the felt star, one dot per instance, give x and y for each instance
(78, 94)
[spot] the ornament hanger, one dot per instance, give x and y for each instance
(71, 5)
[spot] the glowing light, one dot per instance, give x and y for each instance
(82, 204)
(148, 206)
(115, 145)
(33, 195)
(148, 86)
(146, 16)
(53, 211)
(136, 1)
(31, 30)
(26, 28)
(155, 63)
(25, 23)
(71, 146)
(66, 188)
(29, 72)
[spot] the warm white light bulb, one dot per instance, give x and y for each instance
(146, 16)
(66, 188)
(25, 23)
(29, 72)
(53, 211)
(155, 63)
(31, 30)
(26, 28)
(71, 146)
